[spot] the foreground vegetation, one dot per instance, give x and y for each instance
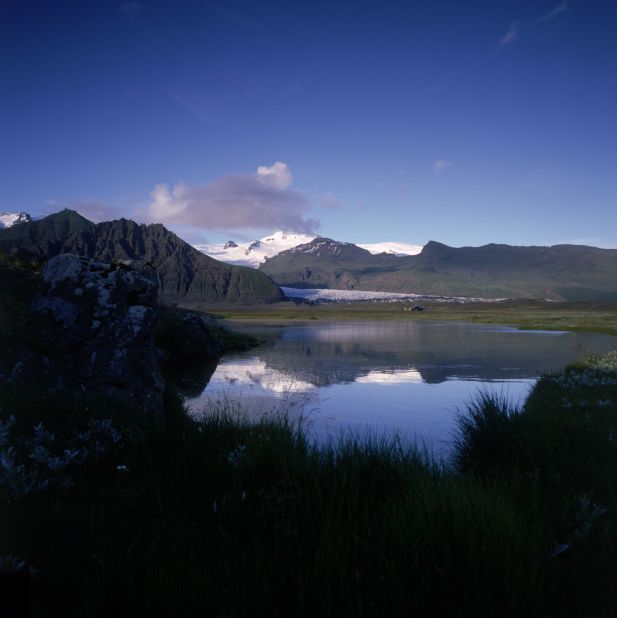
(527, 314)
(228, 517)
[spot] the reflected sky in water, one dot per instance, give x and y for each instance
(384, 377)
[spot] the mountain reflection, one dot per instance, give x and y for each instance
(254, 372)
(302, 357)
(391, 377)
(409, 377)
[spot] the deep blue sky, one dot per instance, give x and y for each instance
(464, 122)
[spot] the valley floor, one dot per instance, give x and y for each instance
(526, 314)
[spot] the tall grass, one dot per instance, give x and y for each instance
(231, 518)
(228, 516)
(556, 460)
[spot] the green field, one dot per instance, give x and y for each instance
(536, 315)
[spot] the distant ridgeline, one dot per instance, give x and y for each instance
(560, 272)
(184, 274)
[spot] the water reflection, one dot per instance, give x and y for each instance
(390, 377)
(405, 376)
(256, 373)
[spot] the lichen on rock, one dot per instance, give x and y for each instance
(95, 325)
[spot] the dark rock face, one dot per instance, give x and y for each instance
(183, 273)
(94, 327)
(86, 334)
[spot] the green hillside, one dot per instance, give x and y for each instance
(561, 272)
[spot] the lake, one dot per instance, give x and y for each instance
(408, 377)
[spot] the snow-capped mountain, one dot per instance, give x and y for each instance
(8, 219)
(255, 253)
(321, 246)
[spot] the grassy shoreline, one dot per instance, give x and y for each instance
(241, 518)
(524, 314)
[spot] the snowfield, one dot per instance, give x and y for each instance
(400, 249)
(320, 296)
(255, 252)
(8, 219)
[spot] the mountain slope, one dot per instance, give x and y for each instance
(184, 274)
(561, 272)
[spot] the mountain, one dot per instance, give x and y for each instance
(184, 274)
(9, 219)
(256, 252)
(561, 272)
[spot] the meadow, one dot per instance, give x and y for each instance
(527, 314)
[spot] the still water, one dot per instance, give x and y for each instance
(407, 377)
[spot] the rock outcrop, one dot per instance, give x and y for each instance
(87, 332)
(93, 335)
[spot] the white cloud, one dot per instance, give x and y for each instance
(277, 175)
(441, 165)
(263, 200)
(511, 35)
(329, 200)
(560, 8)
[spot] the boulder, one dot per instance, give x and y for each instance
(93, 333)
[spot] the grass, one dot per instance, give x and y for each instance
(556, 458)
(233, 517)
(525, 314)
(249, 519)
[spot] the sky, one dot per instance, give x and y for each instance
(462, 122)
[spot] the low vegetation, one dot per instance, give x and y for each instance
(235, 517)
(526, 314)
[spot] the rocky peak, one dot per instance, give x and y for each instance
(321, 247)
(230, 244)
(183, 272)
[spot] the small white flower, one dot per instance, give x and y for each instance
(237, 457)
(560, 548)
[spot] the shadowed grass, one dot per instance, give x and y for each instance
(488, 436)
(556, 459)
(233, 517)
(246, 519)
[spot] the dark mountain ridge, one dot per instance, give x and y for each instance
(183, 273)
(560, 272)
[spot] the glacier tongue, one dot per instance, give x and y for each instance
(320, 296)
